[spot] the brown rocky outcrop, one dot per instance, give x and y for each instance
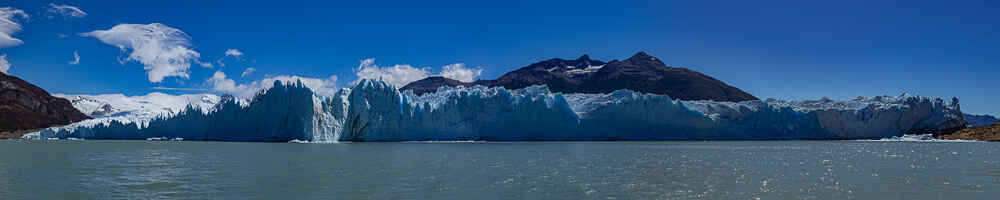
(983, 133)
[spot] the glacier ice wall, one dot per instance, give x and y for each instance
(377, 111)
(282, 114)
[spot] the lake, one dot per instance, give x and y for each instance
(97, 169)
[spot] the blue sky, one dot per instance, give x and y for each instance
(772, 49)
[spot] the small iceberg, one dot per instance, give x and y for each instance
(917, 138)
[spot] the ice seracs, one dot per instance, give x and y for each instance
(378, 111)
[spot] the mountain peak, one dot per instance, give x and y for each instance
(641, 73)
(641, 56)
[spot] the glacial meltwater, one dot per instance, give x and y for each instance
(96, 169)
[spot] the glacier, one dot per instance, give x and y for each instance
(373, 110)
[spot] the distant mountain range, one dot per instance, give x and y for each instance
(25, 107)
(980, 120)
(641, 72)
(149, 105)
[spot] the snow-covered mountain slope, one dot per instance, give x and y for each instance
(377, 111)
(147, 106)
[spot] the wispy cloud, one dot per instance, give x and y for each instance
(400, 75)
(66, 11)
(76, 59)
(234, 53)
(8, 26)
(205, 64)
(163, 51)
(247, 71)
(220, 83)
(4, 65)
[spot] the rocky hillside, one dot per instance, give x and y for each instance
(431, 84)
(983, 133)
(641, 72)
(25, 107)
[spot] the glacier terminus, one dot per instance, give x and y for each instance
(373, 110)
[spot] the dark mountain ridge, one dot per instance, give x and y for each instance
(980, 120)
(641, 72)
(25, 107)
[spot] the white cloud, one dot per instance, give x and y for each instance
(206, 65)
(163, 51)
(66, 10)
(220, 83)
(76, 59)
(458, 71)
(4, 65)
(8, 26)
(397, 75)
(400, 75)
(234, 53)
(248, 71)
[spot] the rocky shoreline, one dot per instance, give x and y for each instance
(17, 134)
(980, 133)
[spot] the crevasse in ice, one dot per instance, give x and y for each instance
(373, 110)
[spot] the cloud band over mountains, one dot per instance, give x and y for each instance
(400, 75)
